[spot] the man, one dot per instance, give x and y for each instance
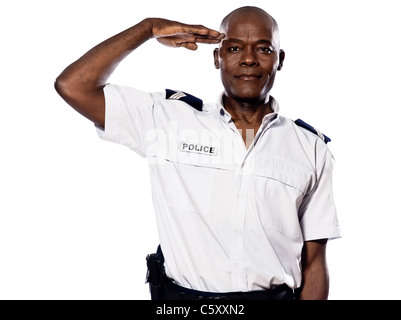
(242, 195)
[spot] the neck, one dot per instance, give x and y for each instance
(246, 111)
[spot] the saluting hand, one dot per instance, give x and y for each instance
(176, 34)
(81, 83)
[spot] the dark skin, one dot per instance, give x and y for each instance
(315, 284)
(248, 59)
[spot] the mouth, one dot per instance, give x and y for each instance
(248, 77)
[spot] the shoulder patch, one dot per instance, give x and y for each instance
(308, 127)
(183, 96)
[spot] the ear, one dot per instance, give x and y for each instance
(216, 58)
(281, 59)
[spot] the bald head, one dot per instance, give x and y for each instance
(247, 12)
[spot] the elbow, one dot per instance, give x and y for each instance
(89, 103)
(63, 87)
(67, 89)
(58, 83)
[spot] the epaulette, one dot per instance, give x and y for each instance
(306, 126)
(183, 96)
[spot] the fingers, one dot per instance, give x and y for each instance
(203, 34)
(208, 40)
(205, 38)
(189, 41)
(188, 45)
(177, 42)
(192, 45)
(201, 30)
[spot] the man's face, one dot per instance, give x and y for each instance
(249, 56)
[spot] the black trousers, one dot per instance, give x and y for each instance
(171, 291)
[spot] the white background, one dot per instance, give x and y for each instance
(76, 218)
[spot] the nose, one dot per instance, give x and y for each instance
(248, 58)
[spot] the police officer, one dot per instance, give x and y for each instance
(242, 194)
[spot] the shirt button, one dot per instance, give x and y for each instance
(236, 229)
(240, 195)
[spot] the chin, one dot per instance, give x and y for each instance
(247, 96)
(250, 92)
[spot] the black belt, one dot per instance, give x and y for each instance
(176, 292)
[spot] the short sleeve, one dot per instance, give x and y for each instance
(318, 211)
(128, 117)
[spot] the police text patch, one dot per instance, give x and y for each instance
(198, 148)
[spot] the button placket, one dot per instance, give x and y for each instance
(238, 226)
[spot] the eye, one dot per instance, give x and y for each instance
(265, 50)
(233, 49)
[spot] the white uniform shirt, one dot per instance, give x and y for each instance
(229, 218)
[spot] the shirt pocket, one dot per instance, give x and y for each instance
(281, 187)
(188, 181)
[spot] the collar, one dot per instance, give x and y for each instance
(223, 113)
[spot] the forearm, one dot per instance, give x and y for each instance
(81, 83)
(91, 71)
(315, 275)
(315, 284)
